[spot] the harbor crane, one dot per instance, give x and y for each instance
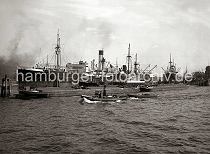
(152, 68)
(178, 69)
(163, 69)
(146, 68)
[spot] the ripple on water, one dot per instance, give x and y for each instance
(176, 122)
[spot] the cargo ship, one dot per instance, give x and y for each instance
(169, 75)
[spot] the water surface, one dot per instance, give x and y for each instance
(178, 121)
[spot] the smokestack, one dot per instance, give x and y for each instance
(101, 54)
(93, 65)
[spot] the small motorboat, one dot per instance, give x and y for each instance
(145, 88)
(23, 94)
(144, 95)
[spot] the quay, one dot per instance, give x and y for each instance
(112, 90)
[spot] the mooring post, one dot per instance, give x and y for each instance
(3, 87)
(5, 80)
(8, 87)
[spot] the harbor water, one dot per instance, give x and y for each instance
(178, 121)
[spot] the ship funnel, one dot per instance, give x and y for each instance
(100, 59)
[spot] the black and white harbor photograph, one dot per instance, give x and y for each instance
(105, 76)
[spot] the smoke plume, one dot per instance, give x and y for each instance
(14, 59)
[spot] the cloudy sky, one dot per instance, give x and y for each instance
(155, 28)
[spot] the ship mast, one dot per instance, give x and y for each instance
(170, 62)
(129, 58)
(135, 64)
(58, 51)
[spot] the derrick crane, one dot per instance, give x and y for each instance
(152, 68)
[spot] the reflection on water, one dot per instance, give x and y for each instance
(175, 122)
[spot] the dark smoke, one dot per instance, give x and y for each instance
(8, 64)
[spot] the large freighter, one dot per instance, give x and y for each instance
(170, 73)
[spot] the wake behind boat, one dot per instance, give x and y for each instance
(143, 95)
(110, 98)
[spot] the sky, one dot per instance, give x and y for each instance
(154, 28)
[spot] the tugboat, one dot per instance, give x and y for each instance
(31, 94)
(145, 88)
(101, 96)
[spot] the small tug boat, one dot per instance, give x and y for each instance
(145, 88)
(102, 97)
(23, 94)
